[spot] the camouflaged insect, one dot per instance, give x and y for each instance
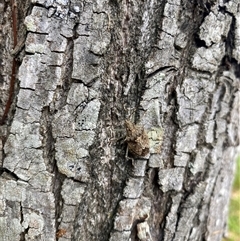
(137, 139)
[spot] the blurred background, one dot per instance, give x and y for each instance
(234, 209)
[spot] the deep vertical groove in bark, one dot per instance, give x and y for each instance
(13, 74)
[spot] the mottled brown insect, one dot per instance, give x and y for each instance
(137, 139)
(60, 233)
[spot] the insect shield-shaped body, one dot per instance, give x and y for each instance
(60, 233)
(137, 139)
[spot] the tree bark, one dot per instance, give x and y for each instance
(83, 69)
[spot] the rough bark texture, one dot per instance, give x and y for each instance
(172, 67)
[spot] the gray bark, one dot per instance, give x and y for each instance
(86, 67)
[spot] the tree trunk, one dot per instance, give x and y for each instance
(83, 69)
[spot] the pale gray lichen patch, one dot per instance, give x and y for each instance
(215, 27)
(43, 202)
(85, 138)
(72, 192)
(139, 167)
(13, 193)
(82, 170)
(10, 228)
(76, 168)
(36, 43)
(75, 136)
(171, 13)
(236, 50)
(53, 59)
(181, 159)
(93, 92)
(69, 147)
(153, 101)
(42, 181)
(34, 223)
(77, 94)
(210, 127)
(199, 162)
(221, 126)
(181, 40)
(30, 115)
(57, 42)
(192, 97)
(68, 155)
(28, 73)
(165, 54)
(25, 97)
(151, 115)
(27, 164)
(14, 190)
(68, 213)
(153, 86)
(208, 59)
(171, 179)
(155, 136)
(36, 206)
(134, 188)
(155, 160)
(27, 157)
(231, 6)
(27, 134)
(120, 236)
(187, 139)
(39, 15)
(63, 124)
(100, 40)
(87, 119)
(85, 63)
(99, 47)
(91, 44)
